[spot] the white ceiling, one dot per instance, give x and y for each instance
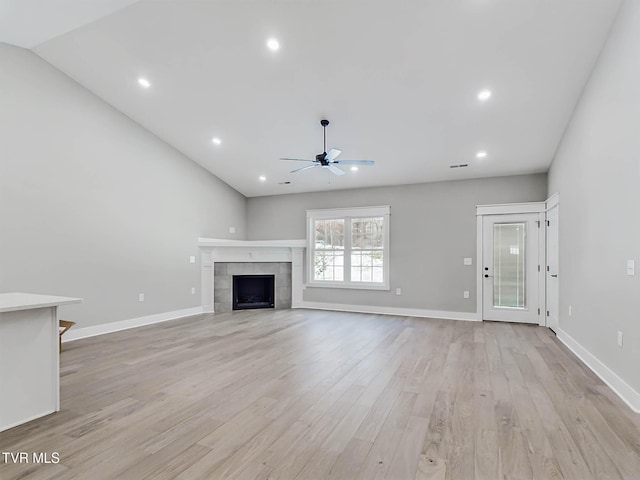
(397, 79)
(27, 23)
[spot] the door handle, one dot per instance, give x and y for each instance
(487, 276)
(555, 275)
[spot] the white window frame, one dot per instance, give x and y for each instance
(347, 214)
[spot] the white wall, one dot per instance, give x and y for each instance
(597, 173)
(93, 205)
(433, 227)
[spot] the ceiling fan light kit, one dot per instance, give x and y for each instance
(327, 160)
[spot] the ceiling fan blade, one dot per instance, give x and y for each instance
(333, 153)
(297, 159)
(335, 170)
(355, 162)
(302, 168)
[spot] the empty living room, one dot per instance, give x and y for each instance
(288, 240)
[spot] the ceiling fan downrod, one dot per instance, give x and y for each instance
(324, 124)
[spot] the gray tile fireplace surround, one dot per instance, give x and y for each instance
(223, 281)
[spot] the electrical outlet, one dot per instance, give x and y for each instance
(620, 339)
(141, 297)
(466, 294)
(398, 291)
(232, 229)
(193, 290)
(468, 261)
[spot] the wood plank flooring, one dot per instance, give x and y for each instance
(300, 394)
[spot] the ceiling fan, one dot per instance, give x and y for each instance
(328, 160)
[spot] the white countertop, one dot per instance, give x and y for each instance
(11, 302)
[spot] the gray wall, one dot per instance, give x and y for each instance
(433, 227)
(597, 173)
(94, 206)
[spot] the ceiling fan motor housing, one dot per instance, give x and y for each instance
(322, 158)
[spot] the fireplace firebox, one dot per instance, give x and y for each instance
(253, 291)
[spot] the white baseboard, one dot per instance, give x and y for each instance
(621, 388)
(403, 312)
(25, 420)
(78, 333)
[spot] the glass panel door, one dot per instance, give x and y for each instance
(510, 274)
(509, 265)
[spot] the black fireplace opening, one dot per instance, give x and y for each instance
(253, 291)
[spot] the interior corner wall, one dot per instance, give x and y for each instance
(92, 205)
(596, 171)
(433, 228)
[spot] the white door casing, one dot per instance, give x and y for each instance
(552, 267)
(511, 263)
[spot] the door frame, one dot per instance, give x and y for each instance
(553, 202)
(538, 208)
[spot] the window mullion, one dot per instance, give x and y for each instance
(347, 249)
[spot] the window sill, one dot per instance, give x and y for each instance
(350, 286)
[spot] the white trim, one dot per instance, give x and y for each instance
(399, 311)
(509, 208)
(552, 201)
(220, 242)
(78, 333)
(348, 285)
(4, 428)
(324, 213)
(621, 388)
(480, 264)
(348, 214)
(542, 274)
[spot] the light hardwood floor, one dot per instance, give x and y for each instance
(299, 394)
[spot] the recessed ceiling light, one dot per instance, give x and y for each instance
(216, 141)
(144, 82)
(262, 178)
(354, 169)
(273, 44)
(481, 154)
(484, 95)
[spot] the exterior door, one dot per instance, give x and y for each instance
(553, 303)
(510, 267)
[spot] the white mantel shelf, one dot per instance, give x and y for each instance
(220, 250)
(218, 242)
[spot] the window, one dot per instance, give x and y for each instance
(349, 247)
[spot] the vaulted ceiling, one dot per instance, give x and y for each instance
(399, 80)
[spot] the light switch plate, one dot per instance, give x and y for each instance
(192, 259)
(631, 267)
(466, 294)
(468, 261)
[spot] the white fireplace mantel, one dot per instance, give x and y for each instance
(214, 250)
